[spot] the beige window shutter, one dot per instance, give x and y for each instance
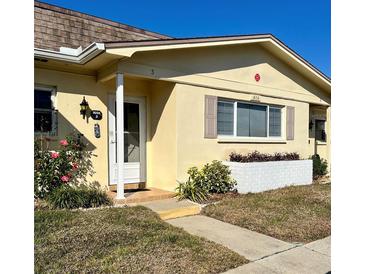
(210, 117)
(290, 120)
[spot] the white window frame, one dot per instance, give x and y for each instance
(53, 92)
(234, 137)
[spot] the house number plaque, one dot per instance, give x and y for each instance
(96, 114)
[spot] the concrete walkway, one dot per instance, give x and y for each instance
(250, 244)
(267, 254)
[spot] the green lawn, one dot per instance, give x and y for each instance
(294, 214)
(122, 240)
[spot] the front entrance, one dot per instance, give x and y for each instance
(134, 140)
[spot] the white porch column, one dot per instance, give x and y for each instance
(120, 133)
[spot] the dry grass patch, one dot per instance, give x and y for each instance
(122, 240)
(294, 214)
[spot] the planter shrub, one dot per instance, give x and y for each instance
(256, 156)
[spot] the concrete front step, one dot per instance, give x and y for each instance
(143, 195)
(173, 208)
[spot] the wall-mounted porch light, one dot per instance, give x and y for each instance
(310, 125)
(84, 106)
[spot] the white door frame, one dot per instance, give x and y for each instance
(130, 169)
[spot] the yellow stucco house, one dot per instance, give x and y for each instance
(180, 102)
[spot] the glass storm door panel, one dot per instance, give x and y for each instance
(134, 140)
(131, 133)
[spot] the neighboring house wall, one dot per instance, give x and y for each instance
(320, 147)
(56, 27)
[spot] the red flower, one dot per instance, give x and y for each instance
(55, 155)
(63, 143)
(74, 166)
(65, 178)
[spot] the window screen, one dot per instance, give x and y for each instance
(275, 122)
(243, 119)
(258, 120)
(225, 118)
(251, 120)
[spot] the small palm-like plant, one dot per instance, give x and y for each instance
(193, 189)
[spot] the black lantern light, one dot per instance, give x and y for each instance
(310, 125)
(84, 107)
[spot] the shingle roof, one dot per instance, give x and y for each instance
(56, 27)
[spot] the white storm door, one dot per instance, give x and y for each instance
(134, 140)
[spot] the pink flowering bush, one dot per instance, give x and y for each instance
(67, 165)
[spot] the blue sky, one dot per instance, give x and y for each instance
(303, 25)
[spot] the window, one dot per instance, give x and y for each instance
(320, 132)
(44, 114)
(241, 119)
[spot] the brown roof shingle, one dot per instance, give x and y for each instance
(56, 27)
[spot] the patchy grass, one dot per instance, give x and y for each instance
(122, 240)
(294, 214)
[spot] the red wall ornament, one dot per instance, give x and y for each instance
(257, 77)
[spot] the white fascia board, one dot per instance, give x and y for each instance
(129, 51)
(85, 56)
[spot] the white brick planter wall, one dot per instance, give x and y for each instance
(261, 176)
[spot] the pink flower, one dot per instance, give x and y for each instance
(63, 143)
(65, 178)
(54, 155)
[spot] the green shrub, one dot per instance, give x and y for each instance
(212, 178)
(319, 166)
(217, 177)
(84, 196)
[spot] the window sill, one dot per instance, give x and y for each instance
(321, 142)
(249, 140)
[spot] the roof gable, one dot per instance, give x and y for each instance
(267, 41)
(233, 67)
